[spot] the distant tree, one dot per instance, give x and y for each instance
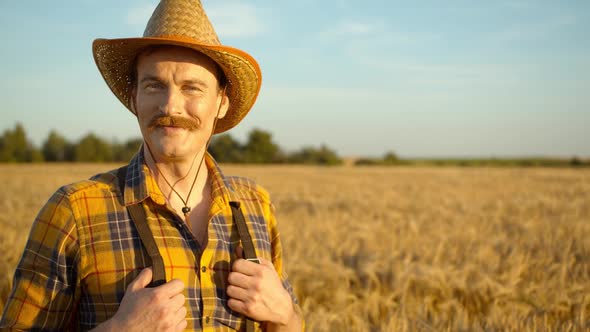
(367, 162)
(92, 148)
(390, 158)
(55, 147)
(5, 148)
(124, 152)
(260, 148)
(15, 147)
(576, 162)
(311, 155)
(225, 149)
(19, 143)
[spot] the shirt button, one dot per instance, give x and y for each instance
(207, 319)
(204, 269)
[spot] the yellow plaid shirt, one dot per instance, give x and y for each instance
(83, 251)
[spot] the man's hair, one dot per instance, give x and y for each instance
(219, 74)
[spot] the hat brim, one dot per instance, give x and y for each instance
(115, 60)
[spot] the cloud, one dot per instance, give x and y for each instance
(138, 16)
(235, 19)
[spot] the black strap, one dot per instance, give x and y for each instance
(137, 214)
(240, 221)
(247, 245)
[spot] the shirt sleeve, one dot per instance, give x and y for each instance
(45, 286)
(277, 261)
(277, 252)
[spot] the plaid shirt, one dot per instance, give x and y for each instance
(83, 251)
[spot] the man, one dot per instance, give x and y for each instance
(88, 264)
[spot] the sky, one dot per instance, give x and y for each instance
(420, 78)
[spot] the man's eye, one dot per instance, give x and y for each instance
(153, 86)
(190, 88)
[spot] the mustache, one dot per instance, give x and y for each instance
(174, 121)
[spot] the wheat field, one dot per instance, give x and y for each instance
(399, 249)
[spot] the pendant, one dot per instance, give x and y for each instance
(186, 210)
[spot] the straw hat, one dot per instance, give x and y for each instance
(181, 23)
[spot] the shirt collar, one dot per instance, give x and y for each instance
(141, 184)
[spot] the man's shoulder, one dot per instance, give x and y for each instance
(248, 189)
(101, 182)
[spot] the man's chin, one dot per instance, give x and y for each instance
(172, 131)
(169, 147)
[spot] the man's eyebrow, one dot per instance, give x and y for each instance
(188, 81)
(195, 82)
(150, 78)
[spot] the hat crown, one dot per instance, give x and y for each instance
(185, 18)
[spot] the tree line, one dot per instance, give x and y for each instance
(258, 149)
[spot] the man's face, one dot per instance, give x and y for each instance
(177, 98)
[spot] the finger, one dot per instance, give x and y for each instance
(141, 281)
(182, 324)
(246, 267)
(237, 306)
(180, 315)
(266, 262)
(237, 293)
(238, 279)
(177, 301)
(171, 288)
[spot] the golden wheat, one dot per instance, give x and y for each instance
(399, 249)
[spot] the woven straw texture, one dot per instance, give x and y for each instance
(181, 23)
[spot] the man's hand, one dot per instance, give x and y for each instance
(149, 309)
(256, 291)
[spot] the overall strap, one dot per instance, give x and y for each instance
(137, 214)
(240, 221)
(247, 244)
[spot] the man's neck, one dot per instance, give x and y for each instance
(179, 174)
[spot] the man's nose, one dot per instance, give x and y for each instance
(172, 103)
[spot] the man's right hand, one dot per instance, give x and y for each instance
(149, 309)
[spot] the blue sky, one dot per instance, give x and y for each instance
(422, 78)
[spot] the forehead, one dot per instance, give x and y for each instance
(149, 59)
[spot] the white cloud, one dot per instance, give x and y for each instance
(138, 16)
(234, 19)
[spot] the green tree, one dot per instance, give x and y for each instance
(55, 147)
(5, 149)
(19, 143)
(390, 158)
(92, 148)
(310, 155)
(225, 149)
(124, 152)
(260, 148)
(15, 147)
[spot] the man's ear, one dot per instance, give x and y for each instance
(224, 107)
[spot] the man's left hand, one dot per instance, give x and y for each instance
(256, 291)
